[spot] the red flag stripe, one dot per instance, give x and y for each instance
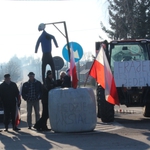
(17, 118)
(74, 78)
(101, 71)
(73, 72)
(97, 72)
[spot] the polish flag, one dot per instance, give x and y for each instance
(73, 72)
(17, 116)
(101, 71)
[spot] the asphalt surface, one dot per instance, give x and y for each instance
(103, 137)
(27, 139)
(30, 139)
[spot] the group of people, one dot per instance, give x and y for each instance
(32, 91)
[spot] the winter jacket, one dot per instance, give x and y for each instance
(26, 90)
(66, 82)
(9, 93)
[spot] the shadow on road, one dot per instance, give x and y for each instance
(139, 123)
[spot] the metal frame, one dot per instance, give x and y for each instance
(65, 35)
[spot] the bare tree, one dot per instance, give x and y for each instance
(87, 56)
(13, 67)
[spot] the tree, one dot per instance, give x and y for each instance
(1, 72)
(31, 65)
(16, 68)
(87, 56)
(13, 67)
(128, 19)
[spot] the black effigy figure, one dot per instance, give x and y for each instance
(45, 40)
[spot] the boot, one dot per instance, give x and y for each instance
(16, 129)
(6, 128)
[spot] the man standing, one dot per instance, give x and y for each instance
(45, 40)
(9, 95)
(41, 124)
(31, 93)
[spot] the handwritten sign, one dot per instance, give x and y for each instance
(72, 110)
(73, 113)
(132, 73)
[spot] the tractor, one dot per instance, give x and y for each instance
(129, 61)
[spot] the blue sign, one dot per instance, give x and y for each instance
(77, 49)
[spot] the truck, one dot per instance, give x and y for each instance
(129, 61)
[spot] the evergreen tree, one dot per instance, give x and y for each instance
(128, 19)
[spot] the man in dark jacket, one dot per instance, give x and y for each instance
(66, 79)
(9, 95)
(41, 124)
(31, 93)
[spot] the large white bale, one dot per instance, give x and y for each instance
(72, 110)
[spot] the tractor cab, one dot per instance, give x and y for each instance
(130, 64)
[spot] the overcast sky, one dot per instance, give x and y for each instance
(20, 20)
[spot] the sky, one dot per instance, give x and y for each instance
(20, 20)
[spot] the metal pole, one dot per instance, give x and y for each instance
(54, 22)
(59, 30)
(68, 46)
(66, 34)
(79, 73)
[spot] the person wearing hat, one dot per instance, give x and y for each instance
(45, 40)
(41, 124)
(65, 78)
(9, 94)
(31, 93)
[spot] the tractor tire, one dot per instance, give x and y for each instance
(98, 102)
(106, 110)
(98, 110)
(146, 110)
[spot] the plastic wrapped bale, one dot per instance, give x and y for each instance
(72, 110)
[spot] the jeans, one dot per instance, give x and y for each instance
(31, 104)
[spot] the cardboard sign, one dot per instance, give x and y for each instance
(132, 73)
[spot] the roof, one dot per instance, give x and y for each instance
(89, 64)
(85, 71)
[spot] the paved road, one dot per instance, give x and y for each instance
(129, 131)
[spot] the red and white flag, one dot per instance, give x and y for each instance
(101, 71)
(17, 116)
(73, 72)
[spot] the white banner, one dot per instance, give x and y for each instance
(132, 73)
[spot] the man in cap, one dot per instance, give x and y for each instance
(45, 40)
(9, 94)
(65, 78)
(31, 93)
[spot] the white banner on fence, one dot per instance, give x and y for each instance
(132, 73)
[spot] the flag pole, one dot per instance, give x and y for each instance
(86, 80)
(65, 35)
(88, 74)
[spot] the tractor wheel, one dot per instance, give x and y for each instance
(98, 102)
(106, 109)
(98, 110)
(146, 110)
